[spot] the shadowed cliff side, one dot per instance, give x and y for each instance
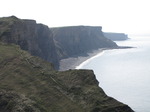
(52, 44)
(76, 40)
(32, 37)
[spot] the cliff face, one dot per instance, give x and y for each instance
(116, 36)
(76, 40)
(52, 44)
(30, 84)
(34, 38)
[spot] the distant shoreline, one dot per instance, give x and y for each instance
(73, 62)
(78, 61)
(88, 60)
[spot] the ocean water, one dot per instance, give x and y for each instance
(124, 74)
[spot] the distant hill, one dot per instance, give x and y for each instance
(116, 36)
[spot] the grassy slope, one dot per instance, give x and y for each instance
(29, 84)
(32, 77)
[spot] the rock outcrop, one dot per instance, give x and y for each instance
(116, 36)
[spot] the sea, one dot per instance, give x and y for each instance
(124, 74)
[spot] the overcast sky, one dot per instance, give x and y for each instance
(128, 16)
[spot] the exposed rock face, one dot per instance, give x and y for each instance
(116, 36)
(76, 40)
(55, 43)
(52, 44)
(32, 37)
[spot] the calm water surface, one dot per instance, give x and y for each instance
(125, 73)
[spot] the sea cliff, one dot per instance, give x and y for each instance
(52, 44)
(116, 36)
(77, 40)
(30, 83)
(35, 38)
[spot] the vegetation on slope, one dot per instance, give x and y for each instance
(30, 84)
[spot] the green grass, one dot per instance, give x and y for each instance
(18, 72)
(45, 89)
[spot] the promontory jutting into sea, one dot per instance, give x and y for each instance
(124, 73)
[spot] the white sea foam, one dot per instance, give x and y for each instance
(88, 60)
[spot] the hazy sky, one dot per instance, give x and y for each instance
(128, 16)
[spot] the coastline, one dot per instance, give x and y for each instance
(79, 61)
(88, 60)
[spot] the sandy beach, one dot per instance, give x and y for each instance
(73, 62)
